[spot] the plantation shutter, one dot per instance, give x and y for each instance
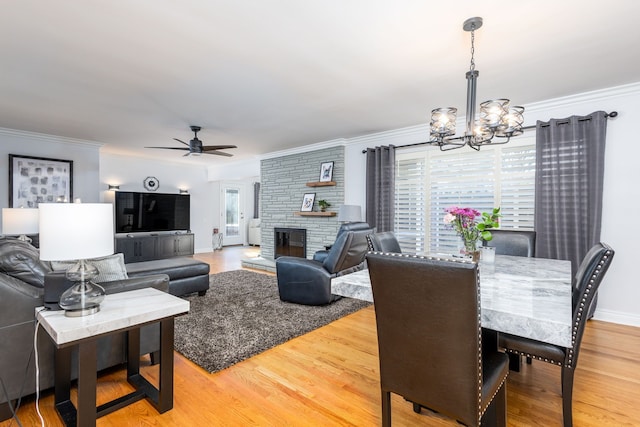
(465, 179)
(410, 223)
(429, 181)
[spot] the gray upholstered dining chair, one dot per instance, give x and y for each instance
(590, 273)
(385, 241)
(430, 341)
(513, 242)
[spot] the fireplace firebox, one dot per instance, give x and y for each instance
(290, 242)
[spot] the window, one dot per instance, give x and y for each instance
(429, 181)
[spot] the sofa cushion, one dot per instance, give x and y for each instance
(175, 268)
(110, 267)
(20, 260)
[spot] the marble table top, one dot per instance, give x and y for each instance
(118, 311)
(528, 297)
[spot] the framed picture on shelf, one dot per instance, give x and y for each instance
(326, 172)
(35, 180)
(307, 202)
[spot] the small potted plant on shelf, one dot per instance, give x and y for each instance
(323, 205)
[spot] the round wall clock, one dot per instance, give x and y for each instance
(151, 183)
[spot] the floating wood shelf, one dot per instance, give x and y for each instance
(315, 213)
(321, 184)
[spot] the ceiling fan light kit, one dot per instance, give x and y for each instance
(195, 147)
(497, 119)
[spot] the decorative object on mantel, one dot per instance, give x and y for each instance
(496, 119)
(326, 172)
(323, 205)
(307, 202)
(463, 221)
(34, 180)
(151, 183)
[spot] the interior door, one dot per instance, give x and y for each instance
(233, 224)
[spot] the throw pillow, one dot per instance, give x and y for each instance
(110, 268)
(21, 260)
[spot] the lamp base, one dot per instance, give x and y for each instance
(83, 298)
(82, 311)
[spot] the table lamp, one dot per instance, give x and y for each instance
(350, 213)
(20, 221)
(77, 231)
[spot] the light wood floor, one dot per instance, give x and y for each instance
(329, 377)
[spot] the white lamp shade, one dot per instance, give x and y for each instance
(350, 213)
(19, 221)
(72, 231)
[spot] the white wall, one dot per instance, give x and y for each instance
(620, 291)
(129, 173)
(84, 154)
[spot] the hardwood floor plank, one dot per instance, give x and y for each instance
(329, 377)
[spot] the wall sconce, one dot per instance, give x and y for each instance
(184, 191)
(113, 187)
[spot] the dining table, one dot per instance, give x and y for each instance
(526, 297)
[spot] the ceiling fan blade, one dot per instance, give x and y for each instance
(187, 154)
(217, 147)
(218, 153)
(170, 148)
(181, 141)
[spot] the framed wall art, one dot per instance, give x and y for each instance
(326, 172)
(307, 202)
(35, 180)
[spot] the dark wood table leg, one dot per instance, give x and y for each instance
(62, 385)
(87, 379)
(165, 397)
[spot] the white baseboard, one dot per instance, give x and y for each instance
(617, 317)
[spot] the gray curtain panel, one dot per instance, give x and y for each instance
(568, 195)
(380, 187)
(256, 200)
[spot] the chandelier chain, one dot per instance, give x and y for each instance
(473, 36)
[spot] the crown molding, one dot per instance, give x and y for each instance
(34, 136)
(581, 98)
(305, 148)
(419, 133)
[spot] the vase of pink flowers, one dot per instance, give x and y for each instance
(471, 226)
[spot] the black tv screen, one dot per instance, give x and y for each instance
(139, 212)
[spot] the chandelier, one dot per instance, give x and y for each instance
(497, 120)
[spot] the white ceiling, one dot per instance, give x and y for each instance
(272, 75)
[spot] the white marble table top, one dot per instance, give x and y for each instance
(528, 297)
(118, 311)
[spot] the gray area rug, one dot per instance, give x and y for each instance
(242, 315)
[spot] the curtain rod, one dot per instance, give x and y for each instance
(525, 128)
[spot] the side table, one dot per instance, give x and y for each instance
(216, 240)
(121, 312)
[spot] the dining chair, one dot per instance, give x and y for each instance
(513, 242)
(588, 278)
(430, 341)
(385, 241)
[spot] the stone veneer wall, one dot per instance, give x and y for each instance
(283, 184)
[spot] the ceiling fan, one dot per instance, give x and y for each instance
(196, 148)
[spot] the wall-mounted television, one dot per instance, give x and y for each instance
(146, 212)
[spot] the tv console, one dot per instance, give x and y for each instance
(148, 247)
